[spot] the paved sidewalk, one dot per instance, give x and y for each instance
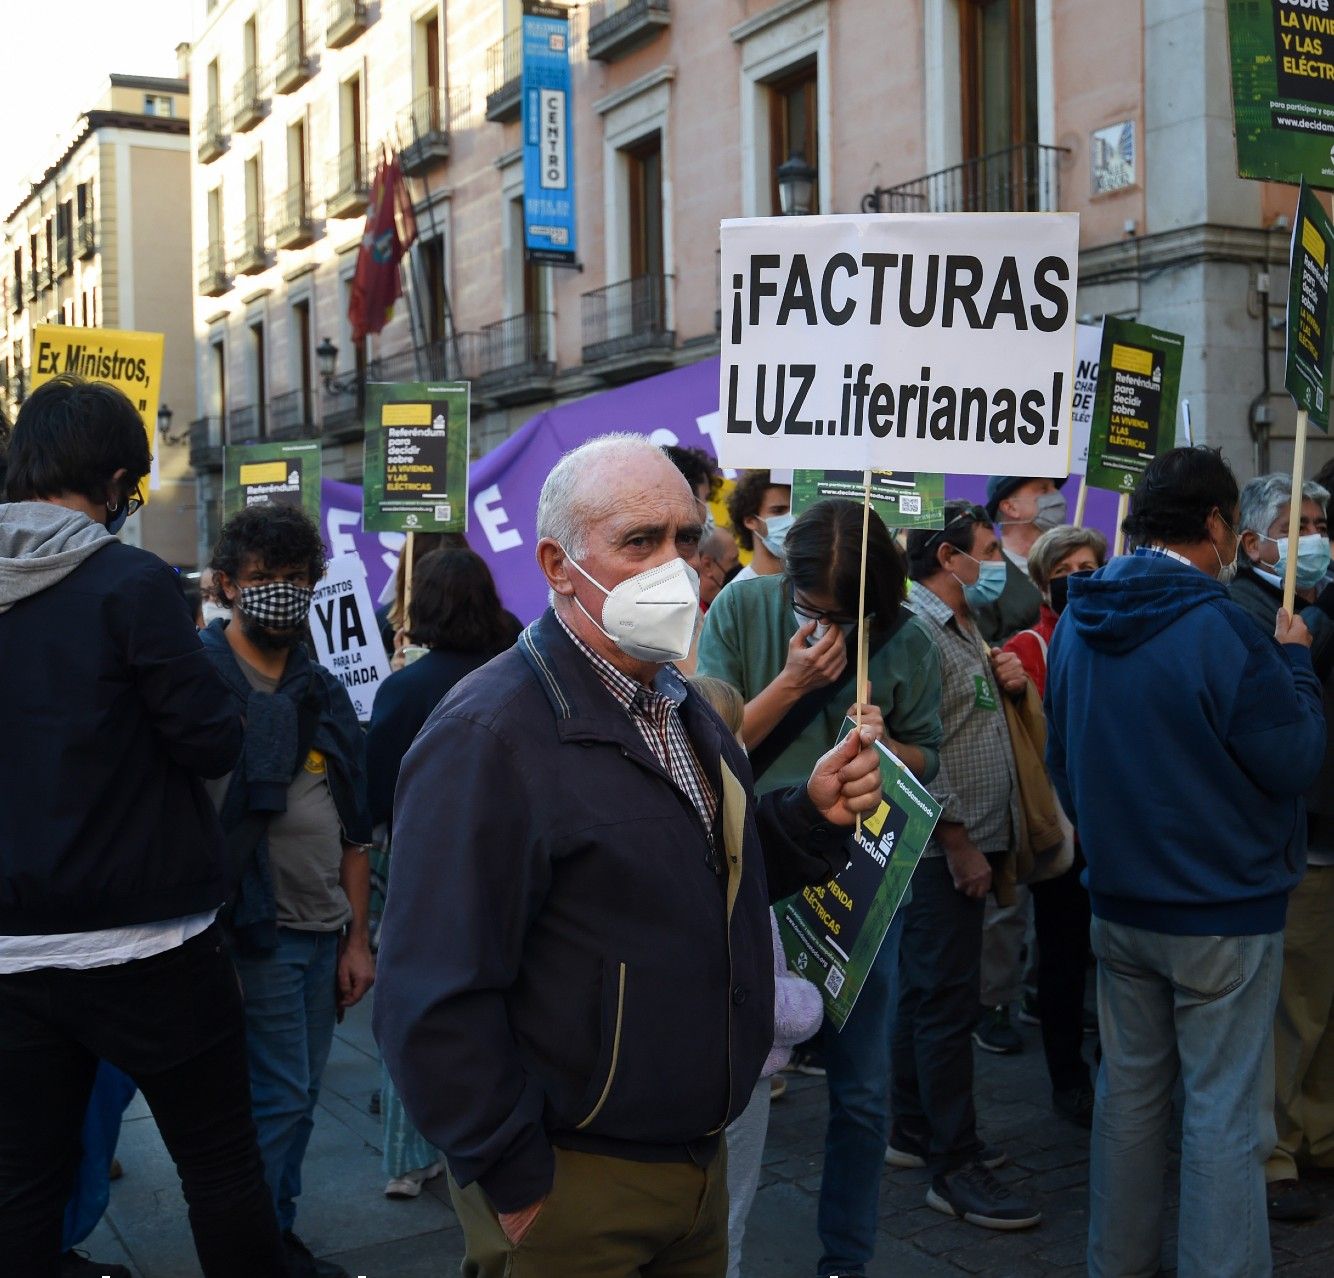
(343, 1213)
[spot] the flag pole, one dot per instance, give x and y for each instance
(1295, 511)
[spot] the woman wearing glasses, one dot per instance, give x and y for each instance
(788, 643)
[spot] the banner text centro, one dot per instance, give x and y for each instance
(933, 342)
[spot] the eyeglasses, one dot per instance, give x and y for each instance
(826, 618)
(970, 513)
(132, 505)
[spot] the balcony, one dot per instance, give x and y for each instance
(46, 275)
(347, 20)
(31, 287)
(212, 135)
(293, 65)
(425, 127)
(64, 256)
(16, 295)
(244, 425)
(625, 329)
(1018, 179)
(252, 254)
(206, 443)
(514, 364)
(85, 237)
(617, 27)
(504, 77)
(349, 181)
(213, 278)
(296, 226)
(290, 416)
(250, 105)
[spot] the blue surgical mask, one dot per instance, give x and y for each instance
(989, 584)
(1312, 558)
(774, 535)
(115, 519)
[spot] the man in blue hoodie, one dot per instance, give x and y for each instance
(1181, 739)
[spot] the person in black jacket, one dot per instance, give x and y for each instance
(111, 859)
(456, 615)
(577, 985)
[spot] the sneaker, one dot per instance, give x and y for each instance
(1028, 1009)
(973, 1194)
(907, 1153)
(1075, 1105)
(409, 1185)
(1287, 1200)
(75, 1264)
(301, 1263)
(777, 1087)
(994, 1033)
(807, 1060)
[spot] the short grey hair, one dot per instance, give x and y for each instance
(1265, 495)
(1055, 544)
(572, 496)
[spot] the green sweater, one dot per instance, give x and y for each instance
(744, 641)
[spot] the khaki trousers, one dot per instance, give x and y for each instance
(607, 1218)
(1303, 1035)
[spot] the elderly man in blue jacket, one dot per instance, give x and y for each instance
(1182, 738)
(576, 980)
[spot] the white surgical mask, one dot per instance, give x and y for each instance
(774, 535)
(651, 616)
(1312, 559)
(211, 611)
(821, 628)
(1226, 572)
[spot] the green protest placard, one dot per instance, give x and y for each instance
(279, 474)
(1283, 89)
(832, 933)
(1135, 407)
(902, 498)
(416, 459)
(1308, 361)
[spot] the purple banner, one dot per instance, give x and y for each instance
(680, 407)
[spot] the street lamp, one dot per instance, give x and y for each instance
(327, 354)
(796, 185)
(164, 416)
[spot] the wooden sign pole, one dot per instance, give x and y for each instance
(1122, 510)
(862, 639)
(1081, 500)
(1295, 512)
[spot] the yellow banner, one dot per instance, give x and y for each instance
(131, 362)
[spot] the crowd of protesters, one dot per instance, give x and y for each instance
(556, 853)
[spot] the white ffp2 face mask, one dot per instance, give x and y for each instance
(651, 616)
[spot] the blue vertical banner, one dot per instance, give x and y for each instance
(548, 135)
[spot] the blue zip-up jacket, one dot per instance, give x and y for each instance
(1180, 739)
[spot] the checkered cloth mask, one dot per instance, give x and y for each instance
(279, 605)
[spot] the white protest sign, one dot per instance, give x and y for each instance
(918, 342)
(347, 639)
(1088, 348)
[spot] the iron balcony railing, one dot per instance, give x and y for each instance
(32, 286)
(16, 294)
(347, 20)
(290, 416)
(87, 236)
(64, 254)
(521, 343)
(349, 183)
(504, 74)
(252, 254)
(206, 435)
(454, 358)
(627, 316)
(296, 225)
(244, 425)
(212, 134)
(425, 129)
(1018, 179)
(616, 27)
(46, 274)
(250, 106)
(292, 66)
(213, 277)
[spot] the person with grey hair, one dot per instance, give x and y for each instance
(576, 988)
(1303, 1036)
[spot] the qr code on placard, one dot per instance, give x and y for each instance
(834, 982)
(442, 511)
(910, 504)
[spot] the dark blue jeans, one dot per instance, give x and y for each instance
(289, 1020)
(857, 1062)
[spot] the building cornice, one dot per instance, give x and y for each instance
(645, 83)
(744, 30)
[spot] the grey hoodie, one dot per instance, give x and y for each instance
(40, 545)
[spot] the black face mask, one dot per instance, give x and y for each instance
(1059, 589)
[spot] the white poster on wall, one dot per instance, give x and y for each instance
(920, 342)
(347, 639)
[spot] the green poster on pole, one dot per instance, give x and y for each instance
(1283, 89)
(1308, 362)
(832, 933)
(902, 498)
(1135, 406)
(279, 474)
(416, 458)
